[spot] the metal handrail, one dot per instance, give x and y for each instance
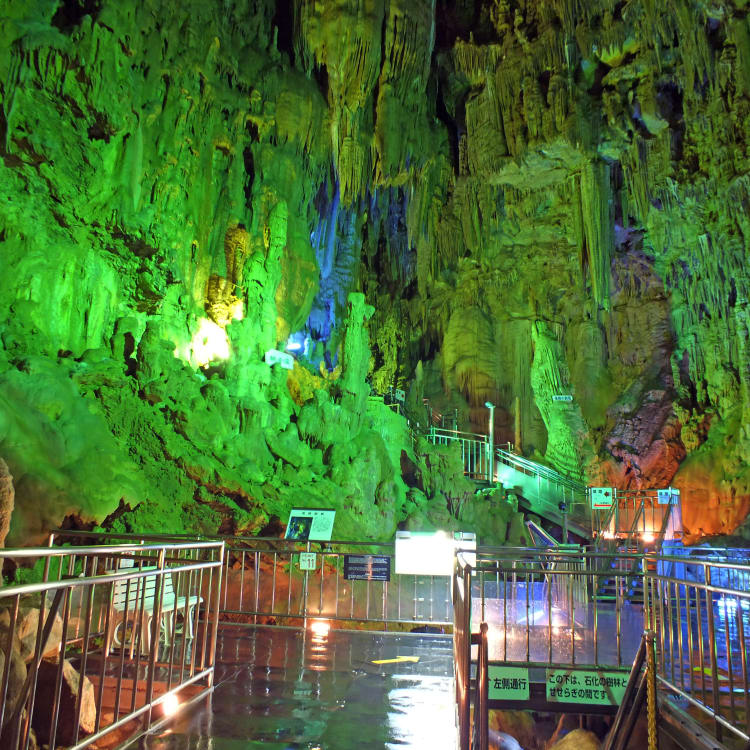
(532, 468)
(701, 621)
(91, 627)
(633, 699)
(458, 434)
(462, 647)
(263, 582)
(481, 735)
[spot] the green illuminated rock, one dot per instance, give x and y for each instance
(470, 202)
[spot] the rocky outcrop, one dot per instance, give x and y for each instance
(7, 500)
(27, 626)
(537, 200)
(578, 739)
(44, 702)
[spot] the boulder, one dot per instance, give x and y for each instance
(16, 678)
(44, 704)
(516, 724)
(7, 500)
(578, 739)
(26, 632)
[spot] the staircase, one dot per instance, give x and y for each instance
(544, 490)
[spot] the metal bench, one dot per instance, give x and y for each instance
(133, 609)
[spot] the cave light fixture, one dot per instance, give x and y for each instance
(320, 628)
(237, 310)
(208, 344)
(298, 343)
(170, 704)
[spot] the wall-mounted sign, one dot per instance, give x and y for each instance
(602, 498)
(562, 397)
(308, 561)
(585, 686)
(508, 683)
(367, 567)
(431, 553)
(275, 357)
(670, 496)
(313, 524)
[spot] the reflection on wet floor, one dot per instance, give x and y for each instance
(594, 633)
(280, 689)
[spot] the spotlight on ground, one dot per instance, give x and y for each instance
(320, 628)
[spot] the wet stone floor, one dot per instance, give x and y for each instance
(283, 689)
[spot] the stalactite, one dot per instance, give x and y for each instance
(597, 214)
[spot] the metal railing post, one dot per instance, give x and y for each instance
(481, 735)
(712, 651)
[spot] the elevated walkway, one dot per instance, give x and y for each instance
(529, 632)
(543, 491)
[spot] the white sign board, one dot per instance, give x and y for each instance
(275, 357)
(431, 553)
(308, 561)
(602, 498)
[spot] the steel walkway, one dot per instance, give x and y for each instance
(282, 689)
(531, 621)
(543, 491)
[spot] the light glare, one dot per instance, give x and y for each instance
(170, 704)
(320, 628)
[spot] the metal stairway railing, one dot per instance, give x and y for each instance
(640, 691)
(531, 468)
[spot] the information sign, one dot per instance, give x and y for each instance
(508, 683)
(584, 686)
(670, 496)
(602, 497)
(400, 395)
(562, 397)
(367, 567)
(308, 561)
(313, 524)
(275, 357)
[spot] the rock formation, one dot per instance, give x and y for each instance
(7, 500)
(533, 199)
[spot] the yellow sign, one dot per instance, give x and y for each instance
(397, 660)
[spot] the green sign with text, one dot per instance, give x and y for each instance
(508, 683)
(584, 686)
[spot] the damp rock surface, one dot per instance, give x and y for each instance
(487, 202)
